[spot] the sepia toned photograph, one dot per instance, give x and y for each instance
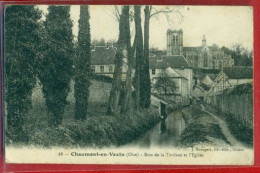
(135, 84)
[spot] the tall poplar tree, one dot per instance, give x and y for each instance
(120, 55)
(139, 54)
(82, 65)
(127, 101)
(145, 89)
(21, 40)
(55, 66)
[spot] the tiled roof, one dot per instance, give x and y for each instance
(202, 73)
(197, 48)
(191, 48)
(207, 80)
(177, 61)
(102, 55)
(205, 87)
(172, 73)
(239, 72)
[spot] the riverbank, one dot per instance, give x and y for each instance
(98, 130)
(238, 130)
(200, 129)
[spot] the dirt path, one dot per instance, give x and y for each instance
(224, 128)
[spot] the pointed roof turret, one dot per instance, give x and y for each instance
(204, 40)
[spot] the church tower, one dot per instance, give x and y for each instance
(174, 42)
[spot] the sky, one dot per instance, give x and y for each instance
(222, 25)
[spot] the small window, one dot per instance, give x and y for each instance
(102, 69)
(110, 68)
(153, 71)
(93, 69)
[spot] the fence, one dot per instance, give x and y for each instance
(236, 102)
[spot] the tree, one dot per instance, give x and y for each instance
(164, 85)
(127, 100)
(126, 95)
(100, 42)
(55, 64)
(120, 55)
(139, 54)
(215, 47)
(21, 41)
(145, 89)
(149, 12)
(241, 55)
(82, 65)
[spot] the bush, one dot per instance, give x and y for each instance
(97, 131)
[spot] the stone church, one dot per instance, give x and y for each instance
(204, 56)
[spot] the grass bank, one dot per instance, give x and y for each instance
(98, 130)
(200, 128)
(238, 130)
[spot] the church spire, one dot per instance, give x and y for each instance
(203, 40)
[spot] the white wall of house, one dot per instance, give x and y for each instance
(185, 90)
(235, 82)
(188, 74)
(181, 94)
(154, 73)
(108, 70)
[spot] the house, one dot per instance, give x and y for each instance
(103, 61)
(239, 75)
(230, 77)
(207, 81)
(171, 85)
(198, 92)
(201, 86)
(176, 62)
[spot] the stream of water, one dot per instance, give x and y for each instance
(165, 134)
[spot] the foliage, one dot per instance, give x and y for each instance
(239, 89)
(21, 41)
(102, 78)
(200, 128)
(240, 131)
(97, 131)
(237, 128)
(165, 85)
(82, 65)
(55, 62)
(241, 56)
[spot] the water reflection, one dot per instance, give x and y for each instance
(163, 126)
(165, 133)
